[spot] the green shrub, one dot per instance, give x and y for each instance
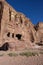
(12, 54)
(41, 52)
(28, 54)
(34, 53)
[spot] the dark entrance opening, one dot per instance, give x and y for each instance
(18, 36)
(40, 43)
(12, 35)
(5, 47)
(8, 34)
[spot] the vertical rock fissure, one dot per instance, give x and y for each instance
(9, 14)
(1, 12)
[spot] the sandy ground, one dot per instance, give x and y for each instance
(21, 60)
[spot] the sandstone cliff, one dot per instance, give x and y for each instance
(17, 30)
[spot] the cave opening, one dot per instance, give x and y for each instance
(12, 35)
(18, 36)
(40, 43)
(4, 47)
(8, 34)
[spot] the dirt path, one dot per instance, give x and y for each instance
(21, 60)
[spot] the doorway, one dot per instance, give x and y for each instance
(4, 47)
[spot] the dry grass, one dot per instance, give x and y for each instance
(41, 52)
(12, 54)
(1, 54)
(28, 54)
